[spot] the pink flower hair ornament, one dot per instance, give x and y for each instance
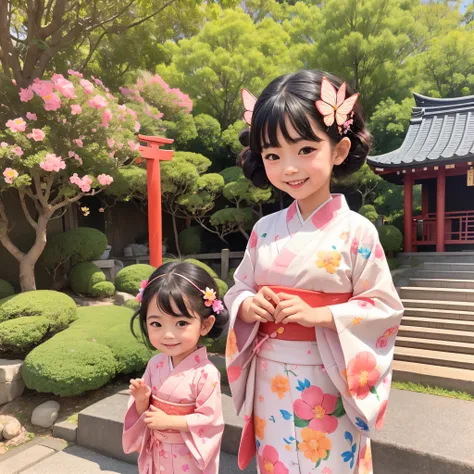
(209, 296)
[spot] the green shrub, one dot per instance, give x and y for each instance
(88, 354)
(79, 245)
(103, 289)
(129, 278)
(58, 308)
(203, 266)
(6, 289)
(84, 276)
(132, 304)
(22, 334)
(190, 240)
(369, 212)
(393, 263)
(223, 287)
(390, 238)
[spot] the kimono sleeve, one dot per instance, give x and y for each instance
(206, 424)
(134, 427)
(358, 356)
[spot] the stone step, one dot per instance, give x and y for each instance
(444, 294)
(449, 266)
(439, 313)
(442, 283)
(435, 345)
(452, 306)
(420, 258)
(445, 359)
(450, 378)
(446, 274)
(439, 323)
(437, 334)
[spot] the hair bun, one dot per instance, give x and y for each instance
(244, 137)
(220, 325)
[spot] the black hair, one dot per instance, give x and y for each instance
(293, 96)
(171, 288)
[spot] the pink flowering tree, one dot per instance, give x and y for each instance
(66, 137)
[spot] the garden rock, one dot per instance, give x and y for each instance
(10, 370)
(121, 297)
(11, 429)
(1, 432)
(11, 390)
(45, 414)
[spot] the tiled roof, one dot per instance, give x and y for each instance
(441, 130)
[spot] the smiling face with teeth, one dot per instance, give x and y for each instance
(301, 167)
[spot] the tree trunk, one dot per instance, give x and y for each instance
(175, 230)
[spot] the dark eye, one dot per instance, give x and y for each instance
(182, 324)
(271, 157)
(155, 324)
(306, 150)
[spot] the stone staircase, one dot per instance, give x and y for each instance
(435, 343)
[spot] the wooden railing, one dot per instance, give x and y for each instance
(459, 228)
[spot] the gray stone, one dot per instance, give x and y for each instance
(10, 370)
(121, 297)
(1, 431)
(45, 414)
(65, 430)
(11, 429)
(11, 390)
(25, 459)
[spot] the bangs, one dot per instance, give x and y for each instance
(169, 293)
(272, 116)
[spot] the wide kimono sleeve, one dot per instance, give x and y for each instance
(241, 334)
(358, 356)
(206, 424)
(134, 428)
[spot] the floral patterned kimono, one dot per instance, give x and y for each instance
(190, 389)
(313, 398)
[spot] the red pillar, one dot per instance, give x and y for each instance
(408, 217)
(440, 209)
(153, 155)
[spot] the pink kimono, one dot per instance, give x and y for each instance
(191, 389)
(313, 399)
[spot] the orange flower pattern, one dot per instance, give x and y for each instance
(329, 260)
(260, 424)
(231, 346)
(280, 385)
(315, 444)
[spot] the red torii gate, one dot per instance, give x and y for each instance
(151, 151)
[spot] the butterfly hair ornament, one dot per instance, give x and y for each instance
(209, 295)
(333, 106)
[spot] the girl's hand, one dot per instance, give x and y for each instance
(156, 419)
(260, 307)
(292, 309)
(139, 390)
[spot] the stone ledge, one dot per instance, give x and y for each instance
(65, 430)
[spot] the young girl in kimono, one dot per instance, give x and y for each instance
(174, 419)
(314, 312)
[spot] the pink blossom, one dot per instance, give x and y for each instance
(70, 154)
(64, 120)
(26, 94)
(78, 142)
(132, 113)
(13, 81)
(18, 151)
(133, 145)
(65, 87)
(38, 135)
(105, 180)
(42, 88)
(106, 117)
(52, 162)
(87, 85)
(76, 109)
(110, 142)
(52, 102)
(119, 146)
(10, 175)
(98, 102)
(31, 116)
(94, 130)
(137, 126)
(78, 158)
(112, 154)
(83, 183)
(16, 125)
(4, 144)
(98, 81)
(124, 91)
(71, 72)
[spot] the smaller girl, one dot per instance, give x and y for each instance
(174, 419)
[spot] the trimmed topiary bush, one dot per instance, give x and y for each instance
(58, 308)
(369, 212)
(6, 289)
(84, 276)
(103, 289)
(223, 287)
(132, 304)
(390, 238)
(203, 266)
(190, 240)
(129, 278)
(22, 334)
(88, 354)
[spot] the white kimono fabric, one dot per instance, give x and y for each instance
(314, 405)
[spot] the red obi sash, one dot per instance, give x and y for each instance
(294, 331)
